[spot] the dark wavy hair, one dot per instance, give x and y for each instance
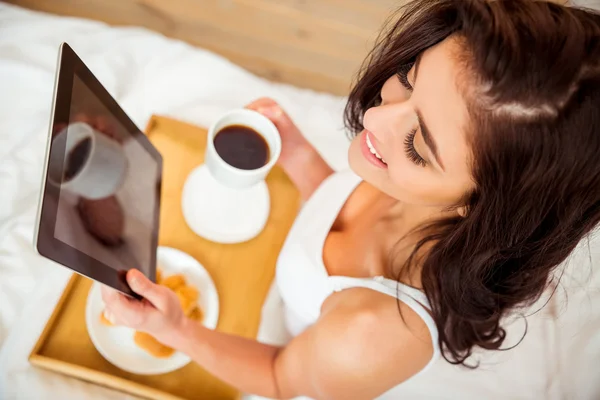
(531, 80)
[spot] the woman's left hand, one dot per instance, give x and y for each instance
(158, 314)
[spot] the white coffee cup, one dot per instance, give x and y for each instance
(229, 175)
(103, 171)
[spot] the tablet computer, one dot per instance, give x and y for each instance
(99, 205)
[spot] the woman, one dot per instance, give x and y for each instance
(476, 154)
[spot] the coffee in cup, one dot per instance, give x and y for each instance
(242, 147)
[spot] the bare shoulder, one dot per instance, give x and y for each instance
(364, 344)
(376, 327)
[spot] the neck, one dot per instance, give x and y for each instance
(414, 216)
(405, 221)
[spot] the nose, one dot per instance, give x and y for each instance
(390, 120)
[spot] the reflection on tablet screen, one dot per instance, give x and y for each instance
(107, 185)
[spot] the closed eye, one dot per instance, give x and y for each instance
(411, 152)
(403, 75)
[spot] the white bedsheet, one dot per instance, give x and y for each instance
(147, 74)
(150, 74)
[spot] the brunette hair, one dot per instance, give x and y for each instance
(531, 80)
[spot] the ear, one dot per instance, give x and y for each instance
(462, 211)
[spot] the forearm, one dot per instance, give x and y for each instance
(306, 169)
(243, 363)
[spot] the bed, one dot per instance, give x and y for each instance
(151, 74)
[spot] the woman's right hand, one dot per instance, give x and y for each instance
(158, 314)
(299, 159)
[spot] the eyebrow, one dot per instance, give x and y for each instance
(427, 137)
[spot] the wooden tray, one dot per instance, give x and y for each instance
(242, 274)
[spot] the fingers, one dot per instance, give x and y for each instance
(108, 294)
(82, 117)
(121, 310)
(99, 123)
(143, 286)
(110, 317)
(102, 124)
(270, 109)
(274, 112)
(261, 102)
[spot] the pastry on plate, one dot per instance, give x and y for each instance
(196, 314)
(188, 297)
(151, 345)
(173, 282)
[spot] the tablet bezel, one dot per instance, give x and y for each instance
(68, 66)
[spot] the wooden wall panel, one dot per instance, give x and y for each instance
(318, 44)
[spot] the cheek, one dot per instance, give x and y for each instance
(417, 185)
(357, 161)
(410, 183)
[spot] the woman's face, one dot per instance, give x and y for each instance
(413, 147)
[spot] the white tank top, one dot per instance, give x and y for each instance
(301, 276)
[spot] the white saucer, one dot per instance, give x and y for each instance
(222, 214)
(116, 343)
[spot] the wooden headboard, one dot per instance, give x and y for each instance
(318, 44)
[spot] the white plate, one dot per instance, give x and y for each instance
(116, 343)
(222, 214)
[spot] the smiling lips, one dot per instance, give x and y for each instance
(370, 153)
(372, 148)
